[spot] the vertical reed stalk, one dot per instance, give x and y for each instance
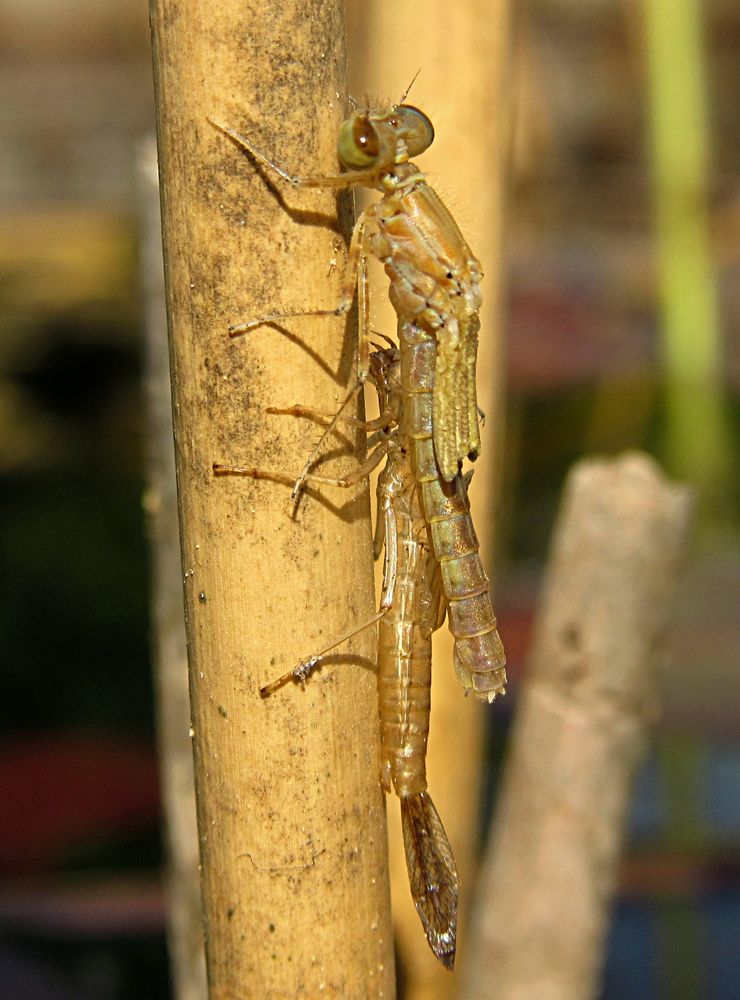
(290, 812)
(697, 439)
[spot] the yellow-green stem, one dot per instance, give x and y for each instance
(697, 442)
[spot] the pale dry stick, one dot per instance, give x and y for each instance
(434, 276)
(587, 708)
(412, 606)
(295, 890)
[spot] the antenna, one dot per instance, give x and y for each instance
(406, 91)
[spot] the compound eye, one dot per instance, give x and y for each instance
(357, 145)
(417, 130)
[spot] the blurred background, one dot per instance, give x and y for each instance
(622, 309)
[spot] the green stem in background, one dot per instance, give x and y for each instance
(697, 444)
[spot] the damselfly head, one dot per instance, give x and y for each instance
(381, 139)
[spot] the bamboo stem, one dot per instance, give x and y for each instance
(587, 708)
(291, 816)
